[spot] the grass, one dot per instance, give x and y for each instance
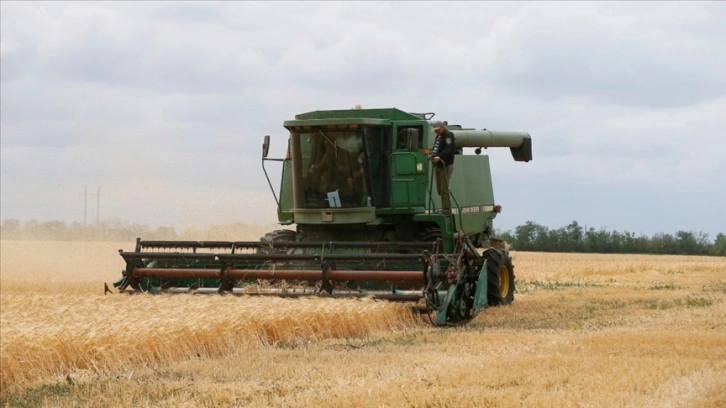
(663, 286)
(36, 396)
(661, 304)
(529, 286)
(584, 330)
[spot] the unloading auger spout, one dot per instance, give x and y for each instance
(520, 143)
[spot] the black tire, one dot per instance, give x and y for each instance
(430, 234)
(279, 235)
(500, 277)
(275, 237)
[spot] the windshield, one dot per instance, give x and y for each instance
(332, 169)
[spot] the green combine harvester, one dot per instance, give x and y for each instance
(362, 218)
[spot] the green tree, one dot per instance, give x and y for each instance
(525, 236)
(719, 246)
(574, 237)
(686, 242)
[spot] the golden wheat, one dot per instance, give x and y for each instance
(44, 336)
(584, 330)
(55, 319)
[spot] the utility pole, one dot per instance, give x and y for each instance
(98, 208)
(85, 206)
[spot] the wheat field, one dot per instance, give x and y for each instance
(584, 331)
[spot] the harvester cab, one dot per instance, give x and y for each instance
(358, 187)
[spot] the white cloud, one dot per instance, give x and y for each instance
(165, 104)
(621, 54)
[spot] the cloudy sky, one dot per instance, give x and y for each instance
(164, 105)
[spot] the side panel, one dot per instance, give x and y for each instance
(471, 182)
(472, 193)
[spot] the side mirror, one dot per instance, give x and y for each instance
(266, 146)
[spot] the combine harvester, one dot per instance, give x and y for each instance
(358, 187)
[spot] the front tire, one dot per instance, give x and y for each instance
(500, 277)
(280, 237)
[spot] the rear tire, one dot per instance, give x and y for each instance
(500, 277)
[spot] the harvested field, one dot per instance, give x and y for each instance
(585, 330)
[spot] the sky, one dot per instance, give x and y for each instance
(164, 105)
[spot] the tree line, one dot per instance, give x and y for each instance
(574, 238)
(528, 237)
(13, 229)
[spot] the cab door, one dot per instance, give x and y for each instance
(408, 176)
